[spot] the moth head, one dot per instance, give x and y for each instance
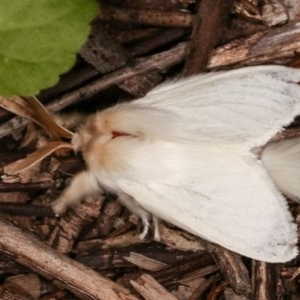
(94, 128)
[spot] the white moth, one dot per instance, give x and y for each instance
(184, 153)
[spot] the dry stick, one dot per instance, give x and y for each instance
(132, 36)
(162, 38)
(27, 250)
(26, 210)
(157, 4)
(264, 280)
(146, 17)
(68, 82)
(205, 34)
(26, 187)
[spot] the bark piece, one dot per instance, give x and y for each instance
(259, 48)
(232, 267)
(248, 9)
(150, 289)
(71, 224)
(24, 286)
(180, 239)
(106, 55)
(274, 12)
(229, 294)
(145, 262)
(264, 280)
(203, 287)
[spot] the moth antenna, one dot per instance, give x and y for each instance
(282, 161)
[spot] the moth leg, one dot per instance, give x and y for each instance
(157, 236)
(131, 204)
(83, 184)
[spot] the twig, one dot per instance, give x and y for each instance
(157, 4)
(27, 250)
(69, 81)
(146, 17)
(26, 187)
(26, 210)
(162, 38)
(205, 34)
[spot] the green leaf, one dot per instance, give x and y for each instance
(39, 40)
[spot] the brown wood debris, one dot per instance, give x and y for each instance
(94, 250)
